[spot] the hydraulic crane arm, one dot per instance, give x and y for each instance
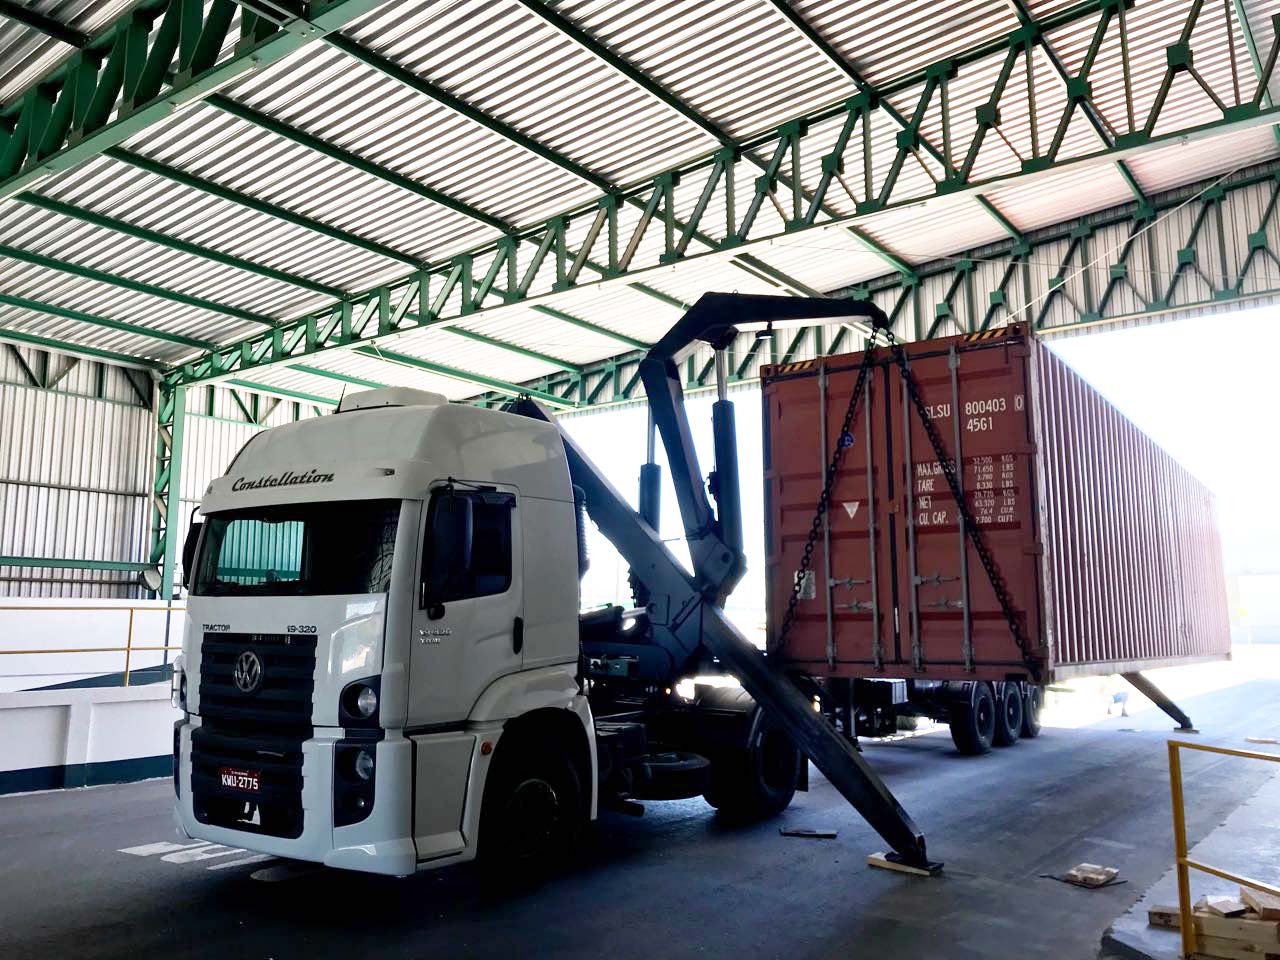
(686, 610)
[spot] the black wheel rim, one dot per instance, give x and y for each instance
(534, 818)
(985, 716)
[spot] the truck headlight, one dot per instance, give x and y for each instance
(358, 704)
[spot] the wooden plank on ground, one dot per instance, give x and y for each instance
(1263, 904)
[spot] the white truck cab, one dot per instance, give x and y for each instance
(374, 597)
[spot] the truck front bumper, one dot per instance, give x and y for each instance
(380, 843)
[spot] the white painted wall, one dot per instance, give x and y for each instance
(85, 624)
(49, 728)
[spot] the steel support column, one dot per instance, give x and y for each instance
(166, 489)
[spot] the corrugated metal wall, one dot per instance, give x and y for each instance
(76, 468)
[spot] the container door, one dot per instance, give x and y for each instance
(951, 623)
(844, 614)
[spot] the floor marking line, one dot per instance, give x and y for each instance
(257, 858)
(205, 853)
(164, 846)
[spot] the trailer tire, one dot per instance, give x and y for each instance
(1008, 716)
(1032, 704)
(759, 780)
(973, 721)
(533, 815)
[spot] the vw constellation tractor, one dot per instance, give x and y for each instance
(384, 666)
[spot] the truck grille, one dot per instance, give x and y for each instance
(281, 702)
(261, 730)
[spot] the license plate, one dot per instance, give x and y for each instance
(238, 779)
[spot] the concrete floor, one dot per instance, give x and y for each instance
(675, 883)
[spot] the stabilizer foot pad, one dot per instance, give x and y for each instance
(1185, 730)
(891, 861)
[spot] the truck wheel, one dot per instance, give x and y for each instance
(1008, 717)
(533, 815)
(759, 780)
(973, 723)
(1032, 703)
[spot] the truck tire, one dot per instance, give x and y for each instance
(1032, 704)
(973, 721)
(1008, 716)
(758, 781)
(533, 814)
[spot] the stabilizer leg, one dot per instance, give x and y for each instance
(1157, 696)
(842, 765)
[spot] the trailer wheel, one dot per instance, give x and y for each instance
(1008, 717)
(757, 781)
(973, 722)
(1032, 703)
(532, 817)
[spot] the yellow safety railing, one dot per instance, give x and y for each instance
(1185, 864)
(129, 648)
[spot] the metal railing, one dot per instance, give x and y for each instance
(1185, 864)
(129, 648)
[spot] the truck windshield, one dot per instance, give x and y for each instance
(298, 550)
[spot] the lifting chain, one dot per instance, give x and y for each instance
(953, 482)
(824, 501)
(962, 505)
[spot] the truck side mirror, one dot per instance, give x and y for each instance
(189, 551)
(448, 560)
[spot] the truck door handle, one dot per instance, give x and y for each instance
(517, 635)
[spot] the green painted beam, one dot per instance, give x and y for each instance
(33, 378)
(1090, 112)
(999, 217)
(658, 295)
(756, 266)
(174, 243)
(43, 23)
(62, 563)
(173, 493)
(264, 207)
(588, 325)
(514, 348)
(412, 81)
(282, 392)
(39, 306)
(335, 375)
(116, 280)
(466, 376)
(883, 252)
(114, 115)
(355, 161)
(75, 349)
(597, 49)
(1251, 45)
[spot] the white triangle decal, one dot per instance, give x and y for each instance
(851, 507)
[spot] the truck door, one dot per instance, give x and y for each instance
(467, 624)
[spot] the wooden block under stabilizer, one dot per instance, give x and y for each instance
(891, 861)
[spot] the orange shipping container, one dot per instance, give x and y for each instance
(1108, 547)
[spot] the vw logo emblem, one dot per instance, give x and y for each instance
(248, 672)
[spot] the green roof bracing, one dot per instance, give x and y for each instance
(230, 206)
